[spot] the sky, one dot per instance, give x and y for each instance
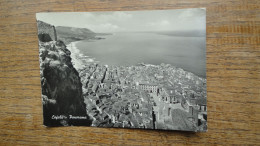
(130, 21)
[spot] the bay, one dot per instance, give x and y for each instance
(126, 49)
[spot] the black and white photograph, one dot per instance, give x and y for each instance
(124, 69)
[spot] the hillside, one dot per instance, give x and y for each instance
(70, 34)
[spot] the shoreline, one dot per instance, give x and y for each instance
(75, 55)
(78, 59)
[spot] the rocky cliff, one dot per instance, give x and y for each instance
(63, 104)
(46, 32)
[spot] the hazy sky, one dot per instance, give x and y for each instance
(126, 21)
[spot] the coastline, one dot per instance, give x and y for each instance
(75, 55)
(77, 63)
(127, 49)
(78, 59)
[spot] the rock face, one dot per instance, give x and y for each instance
(63, 103)
(46, 32)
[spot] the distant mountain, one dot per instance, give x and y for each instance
(69, 34)
(194, 33)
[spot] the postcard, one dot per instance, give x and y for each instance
(124, 69)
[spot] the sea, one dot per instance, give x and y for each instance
(132, 48)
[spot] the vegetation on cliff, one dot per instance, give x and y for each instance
(61, 86)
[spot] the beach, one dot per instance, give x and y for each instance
(79, 60)
(75, 55)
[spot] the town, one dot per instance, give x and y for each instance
(138, 96)
(144, 96)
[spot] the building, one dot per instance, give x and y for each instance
(202, 104)
(193, 109)
(168, 95)
(152, 88)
